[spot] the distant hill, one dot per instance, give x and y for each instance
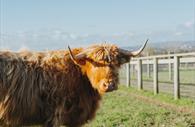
(170, 46)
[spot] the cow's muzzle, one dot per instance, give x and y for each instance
(111, 87)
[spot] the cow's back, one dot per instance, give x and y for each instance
(17, 96)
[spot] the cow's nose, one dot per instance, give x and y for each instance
(110, 87)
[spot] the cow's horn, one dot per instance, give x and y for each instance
(78, 56)
(70, 53)
(133, 53)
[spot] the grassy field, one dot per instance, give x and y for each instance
(186, 76)
(128, 107)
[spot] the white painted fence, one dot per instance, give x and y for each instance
(174, 59)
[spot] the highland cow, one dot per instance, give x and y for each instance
(57, 87)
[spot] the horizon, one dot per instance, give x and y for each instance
(54, 25)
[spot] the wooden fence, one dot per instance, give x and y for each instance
(172, 60)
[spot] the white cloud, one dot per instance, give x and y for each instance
(73, 36)
(149, 33)
(85, 35)
(189, 24)
(56, 34)
(178, 33)
(57, 39)
(130, 34)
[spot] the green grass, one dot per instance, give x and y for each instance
(121, 109)
(164, 98)
(186, 76)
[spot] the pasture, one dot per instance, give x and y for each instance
(172, 74)
(186, 76)
(128, 107)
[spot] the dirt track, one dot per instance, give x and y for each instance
(173, 107)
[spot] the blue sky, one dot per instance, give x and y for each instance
(80, 22)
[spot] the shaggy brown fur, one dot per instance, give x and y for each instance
(49, 88)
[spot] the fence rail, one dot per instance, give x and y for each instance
(172, 60)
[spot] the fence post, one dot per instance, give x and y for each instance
(148, 69)
(155, 76)
(176, 78)
(139, 74)
(128, 74)
(170, 69)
